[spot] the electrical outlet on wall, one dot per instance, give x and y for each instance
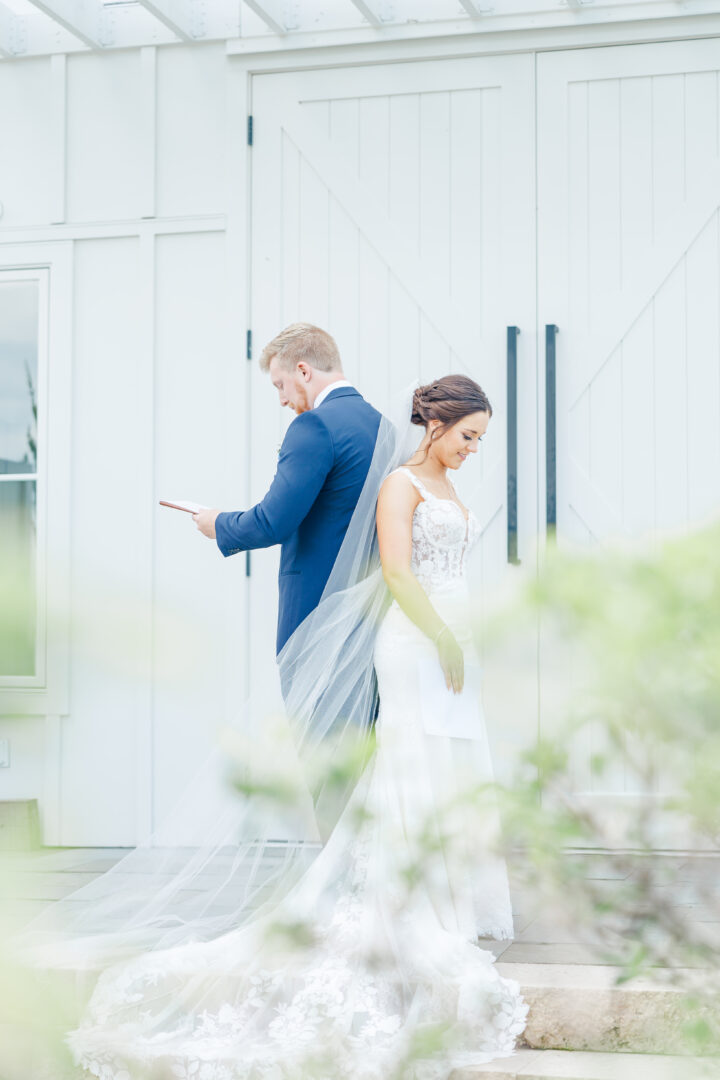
(4, 753)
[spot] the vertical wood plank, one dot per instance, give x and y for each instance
(668, 129)
(314, 222)
(670, 395)
(58, 128)
(703, 373)
(344, 278)
(289, 212)
(148, 138)
(636, 415)
(435, 182)
(606, 436)
(471, 203)
(404, 167)
(636, 164)
(604, 240)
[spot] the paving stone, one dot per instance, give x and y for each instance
(579, 1065)
(579, 1007)
(519, 952)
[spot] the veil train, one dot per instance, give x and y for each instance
(215, 862)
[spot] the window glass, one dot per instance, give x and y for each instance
(18, 376)
(17, 577)
(18, 464)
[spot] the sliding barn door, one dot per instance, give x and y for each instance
(394, 206)
(629, 273)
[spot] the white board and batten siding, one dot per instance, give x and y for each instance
(629, 271)
(130, 222)
(393, 204)
(416, 209)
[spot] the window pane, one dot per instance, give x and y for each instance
(17, 577)
(18, 376)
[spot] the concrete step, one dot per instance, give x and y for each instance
(579, 1007)
(579, 1065)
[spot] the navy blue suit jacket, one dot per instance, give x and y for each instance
(323, 463)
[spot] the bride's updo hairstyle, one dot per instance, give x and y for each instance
(448, 400)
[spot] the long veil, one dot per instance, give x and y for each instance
(221, 855)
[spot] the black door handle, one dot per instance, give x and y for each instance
(551, 332)
(512, 534)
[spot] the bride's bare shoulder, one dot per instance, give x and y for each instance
(397, 487)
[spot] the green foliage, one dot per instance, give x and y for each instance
(635, 636)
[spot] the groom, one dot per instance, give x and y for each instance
(323, 463)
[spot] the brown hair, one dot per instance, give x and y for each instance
(448, 399)
(302, 342)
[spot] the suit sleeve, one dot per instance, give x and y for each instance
(306, 457)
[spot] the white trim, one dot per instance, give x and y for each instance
(667, 22)
(236, 422)
(25, 234)
(144, 423)
(66, 28)
(51, 804)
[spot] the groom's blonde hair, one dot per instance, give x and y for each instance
(302, 342)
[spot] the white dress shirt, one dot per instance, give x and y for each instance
(328, 389)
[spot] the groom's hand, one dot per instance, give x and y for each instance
(205, 521)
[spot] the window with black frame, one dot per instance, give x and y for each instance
(19, 301)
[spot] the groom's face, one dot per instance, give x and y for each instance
(290, 385)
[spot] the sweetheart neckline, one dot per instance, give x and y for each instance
(452, 503)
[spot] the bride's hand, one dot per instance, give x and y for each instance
(451, 660)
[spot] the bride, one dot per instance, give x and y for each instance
(364, 964)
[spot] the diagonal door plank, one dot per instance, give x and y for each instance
(625, 306)
(422, 283)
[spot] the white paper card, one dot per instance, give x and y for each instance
(458, 716)
(184, 504)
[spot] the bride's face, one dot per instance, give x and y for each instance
(463, 438)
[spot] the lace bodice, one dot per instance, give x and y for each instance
(441, 537)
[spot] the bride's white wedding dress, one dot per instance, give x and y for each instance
(369, 968)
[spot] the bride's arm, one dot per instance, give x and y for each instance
(396, 505)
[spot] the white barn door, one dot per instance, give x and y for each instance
(394, 206)
(629, 272)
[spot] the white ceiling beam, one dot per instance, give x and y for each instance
(274, 14)
(475, 9)
(183, 17)
(11, 33)
(376, 13)
(86, 19)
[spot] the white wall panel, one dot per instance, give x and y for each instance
(106, 165)
(192, 579)
(191, 111)
(26, 146)
(98, 774)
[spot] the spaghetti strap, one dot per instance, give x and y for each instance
(415, 482)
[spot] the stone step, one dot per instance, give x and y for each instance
(579, 1007)
(581, 1065)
